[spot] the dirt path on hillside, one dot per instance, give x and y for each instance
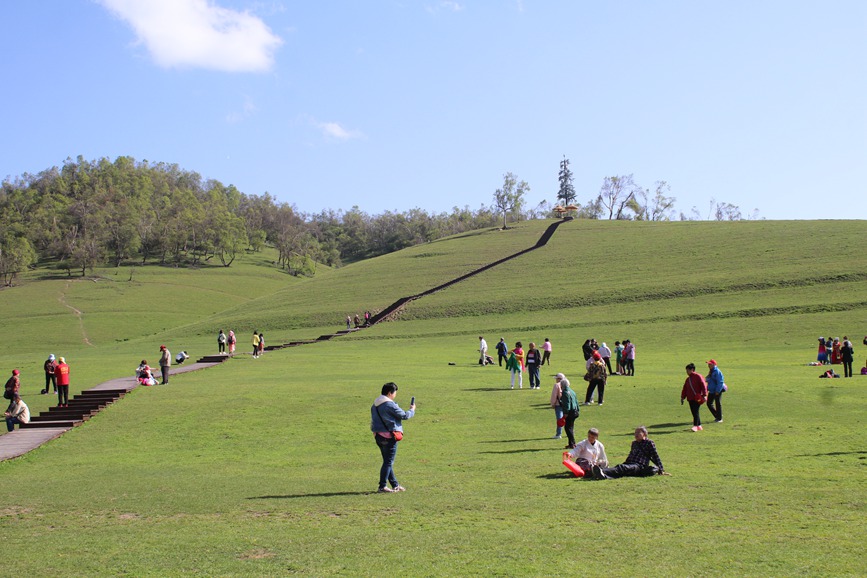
(78, 314)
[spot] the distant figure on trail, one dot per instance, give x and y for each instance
(503, 351)
(534, 361)
(261, 344)
(232, 342)
(847, 356)
(357, 321)
(386, 424)
(629, 357)
(255, 345)
(596, 377)
(638, 461)
(49, 366)
(348, 322)
(13, 384)
(695, 392)
(165, 364)
(589, 452)
(17, 413)
(716, 386)
(515, 365)
(144, 375)
(61, 372)
(556, 392)
(569, 405)
(546, 352)
(605, 352)
(221, 341)
(181, 357)
(366, 318)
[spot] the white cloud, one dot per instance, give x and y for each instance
(246, 111)
(197, 33)
(333, 130)
(444, 5)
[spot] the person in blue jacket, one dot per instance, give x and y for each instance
(386, 424)
(715, 388)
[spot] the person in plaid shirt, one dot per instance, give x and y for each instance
(637, 462)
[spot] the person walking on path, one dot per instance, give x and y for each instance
(847, 352)
(597, 377)
(49, 366)
(232, 341)
(515, 365)
(348, 322)
(534, 361)
(546, 352)
(386, 423)
(255, 345)
(13, 384)
(165, 364)
(502, 351)
(221, 341)
(17, 413)
(716, 386)
(483, 350)
(637, 463)
(695, 391)
(556, 392)
(569, 405)
(62, 374)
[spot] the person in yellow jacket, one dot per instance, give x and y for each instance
(255, 344)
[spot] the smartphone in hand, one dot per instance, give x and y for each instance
(412, 401)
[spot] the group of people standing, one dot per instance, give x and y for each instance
(226, 341)
(517, 360)
(56, 380)
(835, 351)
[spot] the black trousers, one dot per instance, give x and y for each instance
(500, 358)
(694, 407)
(50, 379)
(594, 383)
(847, 368)
(630, 470)
(62, 394)
(714, 405)
(570, 426)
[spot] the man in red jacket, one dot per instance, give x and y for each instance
(61, 372)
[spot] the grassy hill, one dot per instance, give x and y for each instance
(266, 467)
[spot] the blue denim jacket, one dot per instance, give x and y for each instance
(386, 415)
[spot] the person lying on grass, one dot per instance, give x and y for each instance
(637, 463)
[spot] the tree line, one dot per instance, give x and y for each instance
(86, 214)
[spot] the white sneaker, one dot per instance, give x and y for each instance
(557, 437)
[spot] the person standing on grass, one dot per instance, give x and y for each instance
(589, 452)
(534, 360)
(231, 340)
(569, 405)
(546, 352)
(386, 423)
(605, 352)
(587, 350)
(637, 463)
(221, 341)
(483, 350)
(847, 354)
(502, 351)
(13, 384)
(261, 344)
(597, 377)
(255, 344)
(556, 392)
(695, 391)
(716, 386)
(165, 364)
(515, 365)
(618, 353)
(17, 413)
(629, 357)
(61, 372)
(49, 366)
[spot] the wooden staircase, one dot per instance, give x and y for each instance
(81, 408)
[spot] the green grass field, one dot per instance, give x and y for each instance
(267, 467)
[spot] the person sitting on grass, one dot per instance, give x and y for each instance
(637, 463)
(589, 452)
(16, 413)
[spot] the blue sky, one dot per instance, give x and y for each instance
(391, 105)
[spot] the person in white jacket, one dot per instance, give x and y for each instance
(16, 413)
(590, 452)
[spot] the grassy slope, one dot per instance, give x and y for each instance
(265, 466)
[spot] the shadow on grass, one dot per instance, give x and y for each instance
(560, 476)
(523, 451)
(512, 441)
(856, 453)
(322, 495)
(503, 389)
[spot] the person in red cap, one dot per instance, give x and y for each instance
(597, 376)
(61, 372)
(715, 387)
(13, 384)
(695, 391)
(165, 364)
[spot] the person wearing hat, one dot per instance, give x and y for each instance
(165, 364)
(13, 384)
(716, 386)
(16, 413)
(49, 366)
(61, 372)
(597, 376)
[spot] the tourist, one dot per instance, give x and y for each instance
(569, 405)
(13, 384)
(546, 352)
(61, 372)
(716, 386)
(695, 392)
(629, 357)
(49, 366)
(221, 341)
(605, 352)
(587, 350)
(232, 340)
(556, 392)
(589, 452)
(502, 351)
(515, 365)
(143, 373)
(387, 427)
(255, 345)
(618, 352)
(261, 344)
(534, 361)
(847, 355)
(165, 364)
(17, 413)
(637, 463)
(483, 350)
(596, 376)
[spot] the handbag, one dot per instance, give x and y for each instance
(398, 435)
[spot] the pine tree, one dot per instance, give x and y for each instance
(566, 195)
